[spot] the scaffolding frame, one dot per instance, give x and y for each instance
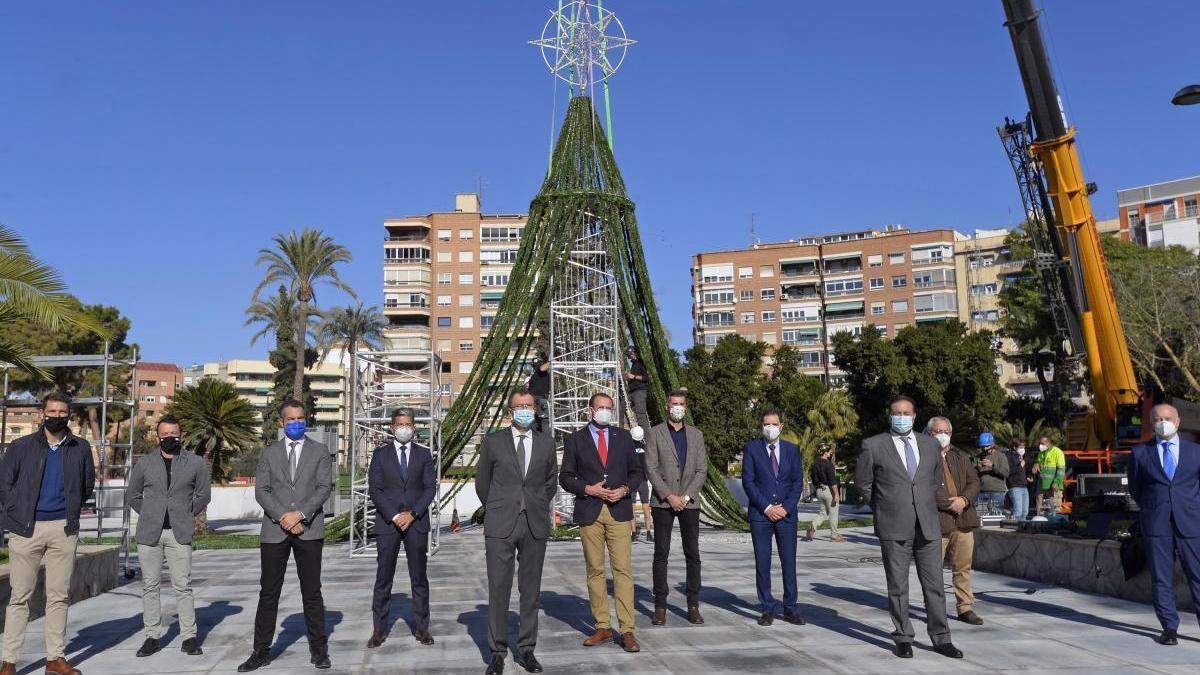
(378, 383)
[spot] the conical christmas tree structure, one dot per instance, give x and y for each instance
(583, 183)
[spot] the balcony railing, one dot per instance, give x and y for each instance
(843, 269)
(406, 261)
(803, 341)
(932, 283)
(792, 273)
(414, 236)
(834, 294)
(801, 319)
(1168, 216)
(931, 261)
(843, 316)
(393, 304)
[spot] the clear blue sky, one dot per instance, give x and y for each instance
(148, 150)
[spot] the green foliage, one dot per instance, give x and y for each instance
(1008, 432)
(215, 421)
(724, 387)
(337, 529)
(351, 328)
(788, 390)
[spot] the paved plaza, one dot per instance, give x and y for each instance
(1029, 628)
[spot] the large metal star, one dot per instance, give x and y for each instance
(576, 42)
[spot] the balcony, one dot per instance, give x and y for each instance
(408, 236)
(801, 319)
(844, 316)
(834, 294)
(843, 267)
(932, 260)
(932, 283)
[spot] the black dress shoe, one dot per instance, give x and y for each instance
(257, 660)
(1169, 638)
(320, 660)
(424, 637)
(948, 650)
(191, 647)
(496, 665)
(904, 650)
(766, 619)
(528, 662)
(377, 639)
(148, 647)
(794, 617)
(970, 617)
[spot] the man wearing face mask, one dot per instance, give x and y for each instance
(1164, 480)
(1051, 470)
(958, 517)
(638, 433)
(168, 489)
(901, 475)
(992, 466)
(401, 483)
(293, 480)
(677, 465)
(1018, 493)
(601, 469)
(45, 478)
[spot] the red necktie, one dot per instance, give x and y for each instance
(602, 447)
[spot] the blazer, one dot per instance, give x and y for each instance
(581, 467)
(1163, 502)
(499, 484)
(391, 494)
(901, 505)
(763, 488)
(278, 494)
(663, 470)
(21, 480)
(187, 496)
(966, 480)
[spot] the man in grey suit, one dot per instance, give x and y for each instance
(516, 480)
(676, 466)
(901, 475)
(293, 480)
(168, 489)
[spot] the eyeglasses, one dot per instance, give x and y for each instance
(523, 406)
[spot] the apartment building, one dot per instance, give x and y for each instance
(1162, 214)
(803, 292)
(253, 379)
(156, 384)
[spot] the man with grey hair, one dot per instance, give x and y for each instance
(957, 516)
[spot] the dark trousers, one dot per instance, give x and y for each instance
(416, 548)
(543, 422)
(897, 557)
(521, 551)
(1160, 552)
(784, 534)
(689, 532)
(637, 398)
(308, 569)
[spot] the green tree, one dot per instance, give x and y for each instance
(786, 389)
(724, 390)
(216, 422)
(301, 261)
(351, 328)
(833, 419)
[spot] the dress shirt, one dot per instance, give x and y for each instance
(1158, 445)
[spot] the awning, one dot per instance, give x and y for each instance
(807, 332)
(847, 306)
(934, 319)
(491, 295)
(793, 261)
(842, 256)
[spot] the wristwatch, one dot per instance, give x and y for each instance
(687, 498)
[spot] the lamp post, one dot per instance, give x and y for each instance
(1189, 95)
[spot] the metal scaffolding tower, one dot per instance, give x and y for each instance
(379, 382)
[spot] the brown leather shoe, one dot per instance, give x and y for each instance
(377, 639)
(660, 616)
(811, 533)
(424, 637)
(630, 643)
(694, 615)
(7, 668)
(61, 667)
(601, 636)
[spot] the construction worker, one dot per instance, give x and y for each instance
(1051, 470)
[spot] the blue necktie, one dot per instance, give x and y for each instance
(404, 462)
(910, 458)
(1169, 460)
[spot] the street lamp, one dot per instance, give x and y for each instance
(1189, 95)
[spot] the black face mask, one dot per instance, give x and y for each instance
(170, 445)
(56, 425)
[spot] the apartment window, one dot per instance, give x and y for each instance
(717, 319)
(444, 278)
(844, 287)
(443, 235)
(716, 273)
(493, 279)
(443, 301)
(875, 261)
(877, 308)
(899, 282)
(746, 294)
(444, 256)
(747, 317)
(769, 338)
(466, 256)
(487, 320)
(466, 322)
(936, 254)
(898, 327)
(444, 389)
(1189, 207)
(406, 254)
(895, 258)
(802, 315)
(466, 279)
(767, 294)
(876, 283)
(466, 300)
(443, 322)
(766, 271)
(899, 306)
(935, 302)
(505, 256)
(718, 297)
(446, 367)
(466, 234)
(768, 317)
(500, 234)
(464, 366)
(984, 289)
(985, 315)
(882, 331)
(443, 345)
(1135, 220)
(745, 272)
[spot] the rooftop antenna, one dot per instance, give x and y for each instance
(753, 229)
(480, 181)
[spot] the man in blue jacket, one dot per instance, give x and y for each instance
(1164, 480)
(773, 477)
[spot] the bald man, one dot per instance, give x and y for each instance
(1164, 479)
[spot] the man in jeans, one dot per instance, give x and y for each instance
(992, 466)
(824, 480)
(168, 489)
(45, 478)
(1018, 493)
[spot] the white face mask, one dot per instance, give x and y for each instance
(1020, 451)
(1165, 429)
(770, 432)
(943, 440)
(638, 433)
(403, 434)
(602, 416)
(676, 412)
(1041, 447)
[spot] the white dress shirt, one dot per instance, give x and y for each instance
(400, 447)
(528, 434)
(899, 442)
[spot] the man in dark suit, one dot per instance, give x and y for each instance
(900, 474)
(516, 479)
(1164, 480)
(293, 480)
(602, 470)
(773, 477)
(402, 484)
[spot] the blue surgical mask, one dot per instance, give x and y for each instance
(295, 430)
(902, 424)
(523, 418)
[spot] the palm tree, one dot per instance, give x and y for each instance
(833, 418)
(33, 291)
(215, 421)
(351, 328)
(275, 314)
(301, 261)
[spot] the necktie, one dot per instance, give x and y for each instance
(292, 459)
(521, 455)
(774, 460)
(404, 462)
(1169, 460)
(602, 447)
(910, 458)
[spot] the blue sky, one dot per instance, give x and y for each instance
(148, 150)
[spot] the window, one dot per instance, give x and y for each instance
(899, 306)
(985, 315)
(984, 289)
(466, 234)
(718, 297)
(717, 319)
(769, 338)
(745, 272)
(466, 279)
(466, 322)
(746, 294)
(896, 258)
(493, 279)
(443, 235)
(844, 287)
(406, 254)
(466, 256)
(768, 317)
(444, 389)
(801, 315)
(443, 345)
(404, 277)
(444, 278)
(1189, 207)
(767, 294)
(882, 331)
(487, 320)
(716, 273)
(501, 233)
(936, 254)
(935, 302)
(766, 271)
(808, 359)
(466, 300)
(1135, 220)
(443, 301)
(444, 256)
(747, 317)
(505, 256)
(899, 282)
(464, 366)
(877, 308)
(875, 261)
(876, 283)
(443, 322)
(898, 327)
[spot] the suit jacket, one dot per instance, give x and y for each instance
(391, 494)
(966, 480)
(663, 470)
(499, 484)
(901, 505)
(185, 498)
(581, 467)
(21, 480)
(1164, 502)
(278, 494)
(763, 488)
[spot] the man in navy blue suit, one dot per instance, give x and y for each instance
(773, 477)
(402, 484)
(1164, 479)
